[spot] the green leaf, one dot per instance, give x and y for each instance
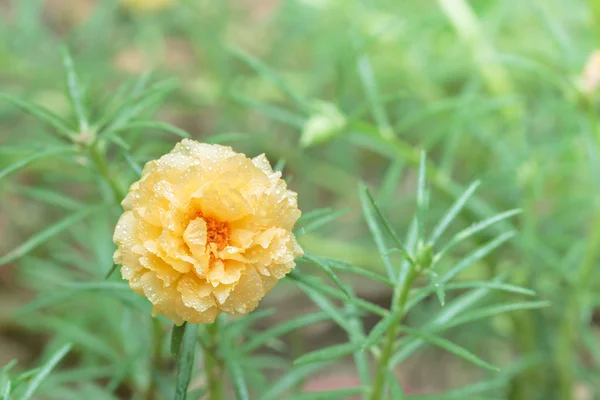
(289, 380)
(41, 237)
(334, 313)
(41, 113)
(422, 200)
(75, 333)
(118, 140)
(259, 339)
(307, 283)
(237, 378)
(133, 165)
(111, 271)
(176, 338)
(5, 383)
(453, 212)
(476, 255)
(357, 335)
(45, 370)
(241, 326)
(321, 263)
(491, 311)
(160, 126)
(25, 161)
(313, 215)
(328, 394)
(503, 287)
(450, 347)
(367, 77)
(371, 212)
(185, 361)
(49, 197)
(268, 73)
(475, 228)
(109, 286)
(446, 314)
(151, 97)
(344, 266)
(321, 221)
(469, 392)
(389, 183)
(74, 89)
(329, 353)
(396, 389)
(276, 113)
(378, 331)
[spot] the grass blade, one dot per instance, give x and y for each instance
(24, 162)
(446, 314)
(74, 89)
(453, 212)
(328, 395)
(260, 339)
(269, 74)
(42, 114)
(396, 389)
(159, 126)
(185, 361)
(491, 311)
(504, 287)
(422, 196)
(319, 262)
(475, 256)
(367, 77)
(450, 347)
(477, 227)
(45, 370)
(371, 213)
(286, 382)
(41, 237)
(49, 197)
(329, 353)
(466, 262)
(307, 285)
(276, 113)
(321, 221)
(237, 378)
(343, 266)
(5, 385)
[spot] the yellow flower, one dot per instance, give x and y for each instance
(206, 230)
(147, 5)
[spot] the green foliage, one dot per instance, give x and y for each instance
(343, 94)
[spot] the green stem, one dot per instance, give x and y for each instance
(100, 161)
(568, 330)
(569, 327)
(213, 365)
(156, 364)
(398, 304)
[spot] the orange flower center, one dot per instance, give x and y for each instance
(217, 232)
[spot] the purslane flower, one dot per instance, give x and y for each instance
(206, 230)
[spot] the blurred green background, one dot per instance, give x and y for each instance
(339, 91)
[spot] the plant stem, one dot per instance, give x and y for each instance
(102, 166)
(157, 340)
(568, 329)
(213, 365)
(398, 303)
